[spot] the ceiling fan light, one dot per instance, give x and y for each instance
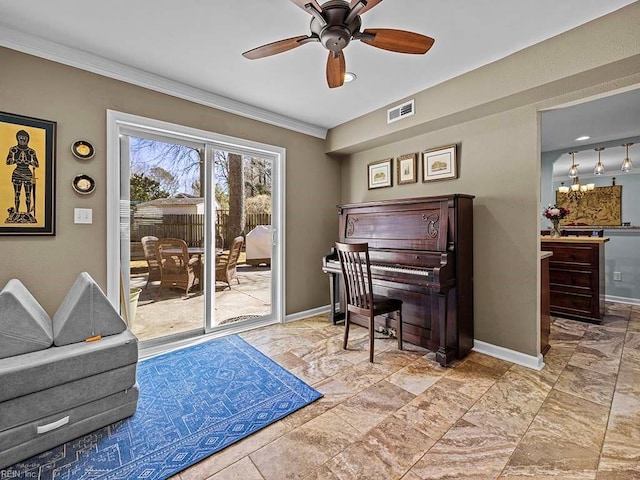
(349, 77)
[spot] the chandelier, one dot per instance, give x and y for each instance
(576, 190)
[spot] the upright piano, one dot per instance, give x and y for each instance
(421, 251)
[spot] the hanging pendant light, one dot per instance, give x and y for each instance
(599, 170)
(573, 171)
(627, 166)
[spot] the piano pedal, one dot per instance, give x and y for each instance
(388, 332)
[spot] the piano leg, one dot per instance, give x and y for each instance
(335, 315)
(445, 354)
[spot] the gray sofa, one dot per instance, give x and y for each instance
(54, 384)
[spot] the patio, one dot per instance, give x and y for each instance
(171, 312)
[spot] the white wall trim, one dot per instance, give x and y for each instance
(307, 313)
(529, 361)
(630, 301)
(55, 52)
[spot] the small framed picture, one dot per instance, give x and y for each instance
(407, 166)
(439, 164)
(380, 174)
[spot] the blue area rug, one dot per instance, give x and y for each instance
(193, 403)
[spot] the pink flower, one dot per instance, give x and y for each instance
(555, 213)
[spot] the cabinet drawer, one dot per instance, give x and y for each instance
(572, 278)
(572, 302)
(573, 254)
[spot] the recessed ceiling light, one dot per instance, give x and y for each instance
(349, 77)
(582, 138)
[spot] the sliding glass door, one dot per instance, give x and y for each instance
(199, 240)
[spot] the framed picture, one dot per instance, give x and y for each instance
(380, 174)
(439, 164)
(407, 166)
(27, 177)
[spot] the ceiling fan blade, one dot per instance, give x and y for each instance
(397, 40)
(275, 47)
(302, 3)
(336, 68)
(370, 4)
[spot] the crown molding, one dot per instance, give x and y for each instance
(55, 52)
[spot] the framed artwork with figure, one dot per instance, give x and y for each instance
(27, 175)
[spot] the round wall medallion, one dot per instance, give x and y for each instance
(83, 149)
(83, 184)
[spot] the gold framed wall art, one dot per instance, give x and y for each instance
(27, 177)
(601, 206)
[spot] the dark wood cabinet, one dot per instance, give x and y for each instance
(545, 304)
(576, 277)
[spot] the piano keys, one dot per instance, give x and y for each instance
(421, 251)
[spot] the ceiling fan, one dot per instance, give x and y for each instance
(334, 25)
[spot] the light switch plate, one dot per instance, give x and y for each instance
(82, 215)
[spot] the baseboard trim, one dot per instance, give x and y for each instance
(307, 313)
(629, 301)
(529, 361)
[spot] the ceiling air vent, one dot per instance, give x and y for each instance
(405, 110)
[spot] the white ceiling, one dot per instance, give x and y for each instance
(199, 44)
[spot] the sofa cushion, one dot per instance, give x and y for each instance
(22, 442)
(24, 325)
(44, 403)
(84, 313)
(35, 371)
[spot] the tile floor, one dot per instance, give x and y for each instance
(405, 417)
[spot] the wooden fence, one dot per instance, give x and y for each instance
(190, 227)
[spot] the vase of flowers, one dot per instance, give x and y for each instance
(555, 214)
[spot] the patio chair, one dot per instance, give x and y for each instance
(226, 266)
(177, 269)
(149, 249)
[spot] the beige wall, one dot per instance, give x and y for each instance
(492, 114)
(78, 102)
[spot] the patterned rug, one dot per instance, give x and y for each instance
(193, 402)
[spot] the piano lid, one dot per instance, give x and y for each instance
(416, 224)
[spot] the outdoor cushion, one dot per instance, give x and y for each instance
(85, 313)
(24, 325)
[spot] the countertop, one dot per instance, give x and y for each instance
(574, 239)
(544, 255)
